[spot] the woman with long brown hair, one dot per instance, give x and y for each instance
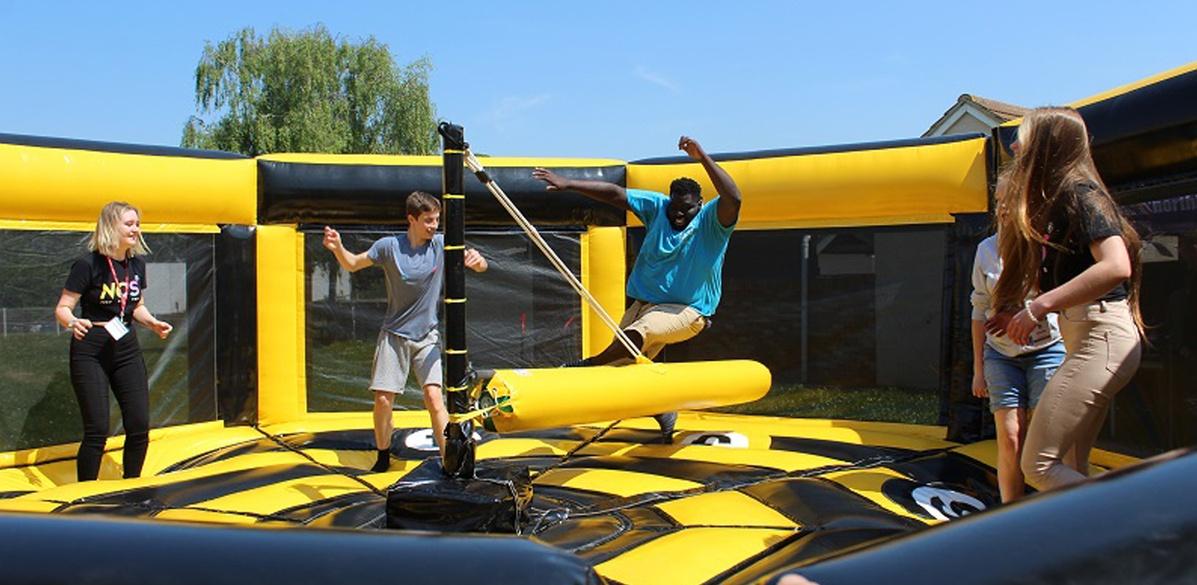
(1066, 244)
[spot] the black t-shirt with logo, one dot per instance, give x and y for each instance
(100, 299)
(1083, 217)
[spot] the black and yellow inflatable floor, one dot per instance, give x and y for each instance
(736, 497)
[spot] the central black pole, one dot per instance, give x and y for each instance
(459, 443)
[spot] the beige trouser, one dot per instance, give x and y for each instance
(1103, 350)
(660, 325)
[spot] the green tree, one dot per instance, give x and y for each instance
(309, 92)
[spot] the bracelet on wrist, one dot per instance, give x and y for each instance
(1031, 313)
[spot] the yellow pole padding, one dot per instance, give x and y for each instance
(58, 184)
(603, 273)
(886, 186)
(558, 397)
(282, 388)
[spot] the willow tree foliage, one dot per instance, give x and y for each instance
(309, 92)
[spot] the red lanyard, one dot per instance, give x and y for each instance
(125, 294)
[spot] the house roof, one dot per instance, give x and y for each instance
(1003, 110)
(1000, 111)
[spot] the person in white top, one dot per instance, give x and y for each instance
(1011, 375)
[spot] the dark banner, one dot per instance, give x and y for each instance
(291, 192)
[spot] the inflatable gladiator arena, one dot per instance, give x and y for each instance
(848, 269)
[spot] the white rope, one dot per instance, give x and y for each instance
(536, 238)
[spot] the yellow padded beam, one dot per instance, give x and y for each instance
(60, 184)
(886, 186)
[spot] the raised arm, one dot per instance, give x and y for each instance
(348, 260)
(608, 193)
(729, 194)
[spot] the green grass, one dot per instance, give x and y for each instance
(871, 404)
(37, 403)
(340, 371)
(339, 379)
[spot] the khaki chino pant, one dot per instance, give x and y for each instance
(1103, 351)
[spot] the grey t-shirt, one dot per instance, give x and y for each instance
(414, 280)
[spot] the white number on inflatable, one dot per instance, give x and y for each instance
(422, 440)
(945, 504)
(717, 439)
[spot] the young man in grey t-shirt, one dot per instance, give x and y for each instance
(408, 342)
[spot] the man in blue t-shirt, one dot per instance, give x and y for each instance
(408, 343)
(677, 279)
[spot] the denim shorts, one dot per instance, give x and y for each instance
(1018, 382)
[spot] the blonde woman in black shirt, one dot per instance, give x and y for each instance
(1066, 244)
(109, 283)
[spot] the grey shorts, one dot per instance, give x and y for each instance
(395, 357)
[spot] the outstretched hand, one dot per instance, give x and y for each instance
(474, 260)
(332, 239)
(555, 182)
(691, 147)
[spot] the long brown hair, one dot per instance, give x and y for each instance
(1053, 160)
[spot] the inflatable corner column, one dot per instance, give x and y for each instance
(603, 275)
(282, 384)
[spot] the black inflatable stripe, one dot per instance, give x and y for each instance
(290, 192)
(715, 475)
(1140, 137)
(946, 467)
(815, 503)
(341, 511)
(224, 453)
(804, 549)
(198, 490)
(601, 538)
(114, 147)
(846, 452)
(106, 551)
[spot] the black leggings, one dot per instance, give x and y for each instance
(97, 361)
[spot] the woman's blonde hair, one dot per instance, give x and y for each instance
(1053, 159)
(106, 237)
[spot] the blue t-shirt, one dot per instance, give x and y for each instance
(680, 267)
(413, 277)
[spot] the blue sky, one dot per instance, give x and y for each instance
(606, 79)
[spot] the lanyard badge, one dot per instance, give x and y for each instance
(116, 327)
